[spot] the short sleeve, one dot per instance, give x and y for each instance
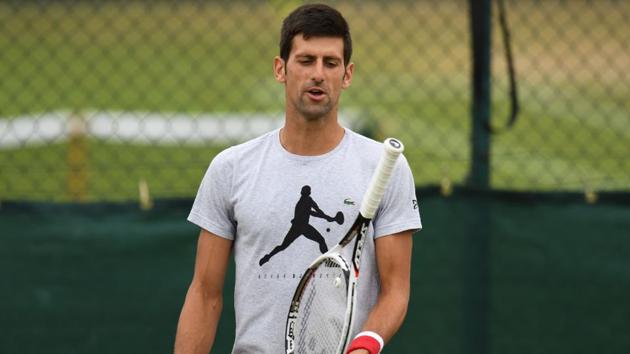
(212, 209)
(399, 209)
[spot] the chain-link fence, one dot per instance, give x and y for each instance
(98, 98)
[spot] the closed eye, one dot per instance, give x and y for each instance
(305, 60)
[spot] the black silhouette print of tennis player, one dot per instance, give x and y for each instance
(304, 209)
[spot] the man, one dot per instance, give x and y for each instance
(247, 200)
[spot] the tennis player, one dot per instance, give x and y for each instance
(247, 200)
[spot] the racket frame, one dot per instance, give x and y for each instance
(359, 230)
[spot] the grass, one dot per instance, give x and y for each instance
(411, 81)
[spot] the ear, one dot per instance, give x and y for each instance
(279, 70)
(347, 76)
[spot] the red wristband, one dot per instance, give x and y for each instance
(367, 342)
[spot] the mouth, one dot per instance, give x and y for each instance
(316, 93)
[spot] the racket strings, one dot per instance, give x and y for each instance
(322, 310)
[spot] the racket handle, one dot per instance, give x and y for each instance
(392, 148)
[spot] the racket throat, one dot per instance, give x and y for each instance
(358, 246)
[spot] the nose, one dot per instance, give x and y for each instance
(318, 72)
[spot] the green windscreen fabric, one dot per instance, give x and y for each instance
(491, 274)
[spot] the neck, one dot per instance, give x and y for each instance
(311, 138)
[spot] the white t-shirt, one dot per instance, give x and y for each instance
(261, 196)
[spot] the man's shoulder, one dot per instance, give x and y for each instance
(252, 146)
(365, 146)
(368, 149)
(363, 141)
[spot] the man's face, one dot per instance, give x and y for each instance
(314, 76)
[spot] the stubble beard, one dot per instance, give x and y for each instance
(314, 111)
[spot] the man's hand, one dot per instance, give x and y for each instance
(359, 351)
(393, 258)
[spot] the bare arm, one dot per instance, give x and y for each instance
(202, 308)
(393, 258)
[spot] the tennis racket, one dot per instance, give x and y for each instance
(321, 312)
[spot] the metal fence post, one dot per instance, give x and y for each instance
(476, 251)
(481, 30)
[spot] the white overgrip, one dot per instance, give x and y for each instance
(392, 148)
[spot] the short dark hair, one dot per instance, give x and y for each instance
(315, 20)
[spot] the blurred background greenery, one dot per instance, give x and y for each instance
(413, 61)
